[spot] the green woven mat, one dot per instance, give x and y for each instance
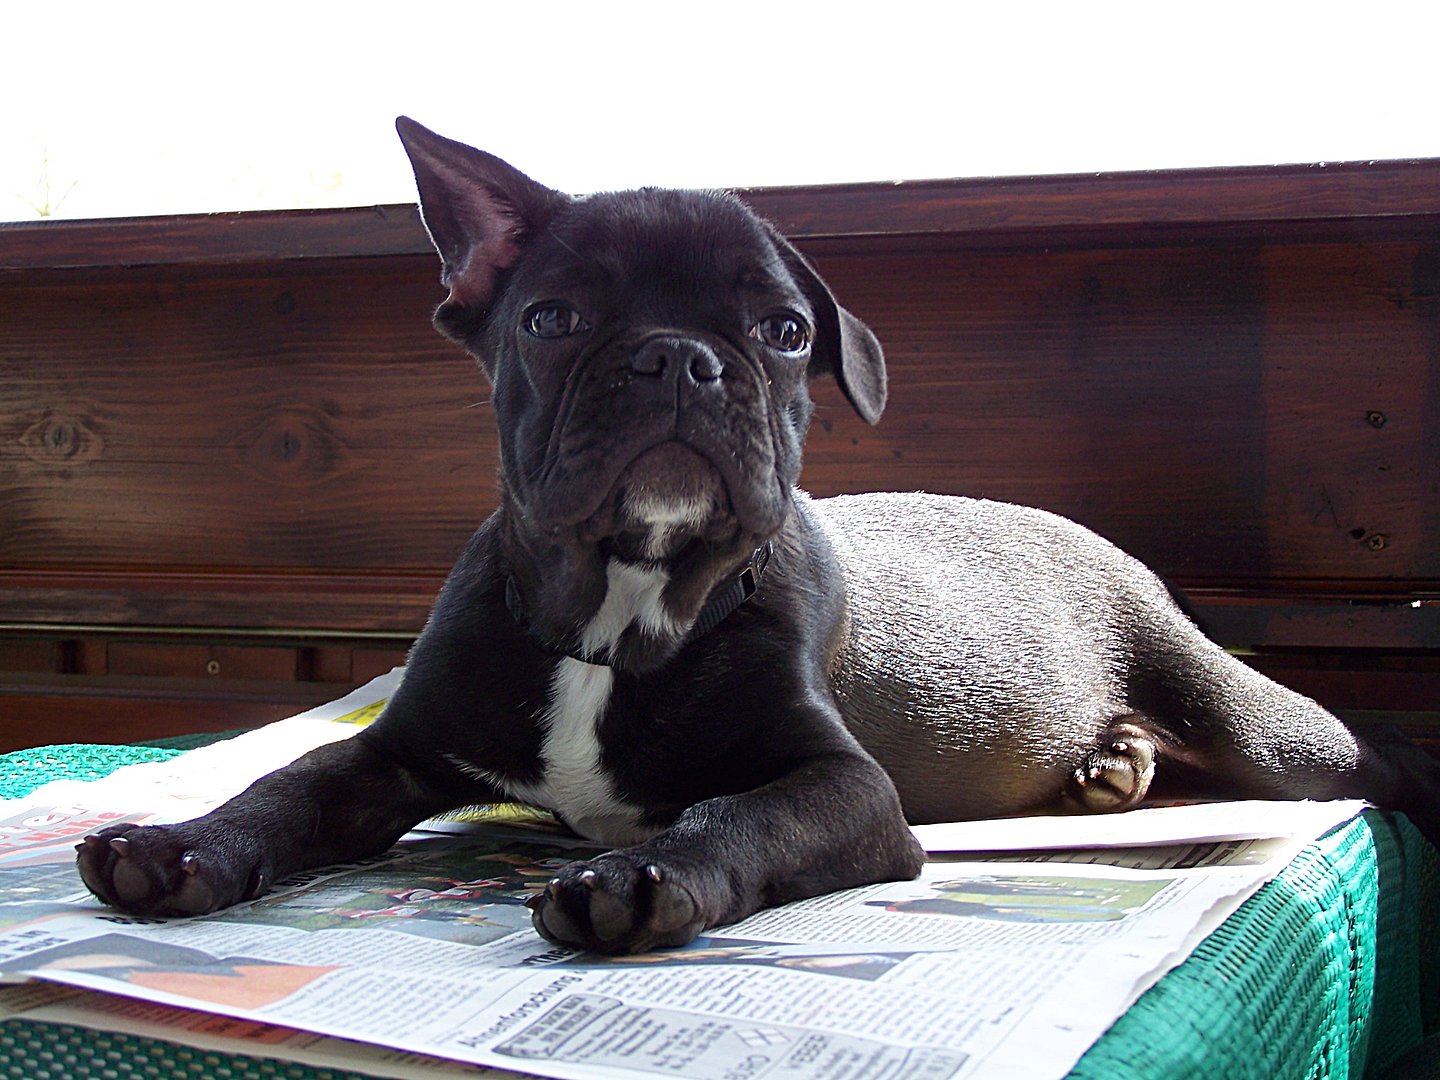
(1297, 983)
(23, 771)
(190, 742)
(31, 1051)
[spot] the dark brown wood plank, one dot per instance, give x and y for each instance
(1297, 622)
(316, 423)
(36, 711)
(245, 422)
(303, 450)
(212, 239)
(1295, 200)
(242, 600)
(1218, 412)
(1346, 686)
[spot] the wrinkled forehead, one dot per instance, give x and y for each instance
(682, 245)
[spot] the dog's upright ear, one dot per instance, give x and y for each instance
(479, 212)
(844, 346)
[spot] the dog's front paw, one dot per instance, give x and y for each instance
(169, 869)
(617, 903)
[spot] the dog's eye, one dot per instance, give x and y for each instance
(554, 321)
(784, 332)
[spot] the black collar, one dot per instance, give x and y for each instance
(722, 603)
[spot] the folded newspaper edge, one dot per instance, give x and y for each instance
(1205, 822)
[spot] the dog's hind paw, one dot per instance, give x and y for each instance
(166, 870)
(1116, 774)
(616, 903)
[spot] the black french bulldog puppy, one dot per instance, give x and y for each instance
(745, 692)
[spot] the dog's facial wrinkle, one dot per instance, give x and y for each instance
(692, 266)
(607, 424)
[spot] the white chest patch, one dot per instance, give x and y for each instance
(575, 784)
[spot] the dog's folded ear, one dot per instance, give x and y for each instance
(478, 211)
(844, 346)
(857, 363)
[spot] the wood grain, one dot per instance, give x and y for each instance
(245, 424)
(1214, 411)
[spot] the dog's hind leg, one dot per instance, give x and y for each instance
(1226, 730)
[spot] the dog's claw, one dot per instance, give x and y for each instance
(617, 904)
(168, 869)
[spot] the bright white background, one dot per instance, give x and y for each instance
(144, 108)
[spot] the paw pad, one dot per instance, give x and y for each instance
(1115, 775)
(614, 904)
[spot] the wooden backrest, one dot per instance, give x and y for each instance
(246, 421)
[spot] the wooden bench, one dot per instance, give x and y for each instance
(236, 461)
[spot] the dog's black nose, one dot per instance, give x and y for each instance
(680, 357)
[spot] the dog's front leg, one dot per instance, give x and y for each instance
(832, 823)
(338, 803)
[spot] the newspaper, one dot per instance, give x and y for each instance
(1008, 956)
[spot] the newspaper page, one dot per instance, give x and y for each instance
(1008, 964)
